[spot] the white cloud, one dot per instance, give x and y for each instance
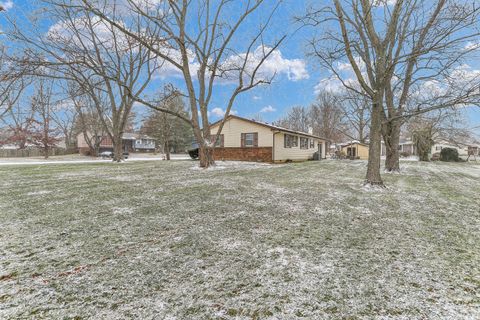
(268, 109)
(6, 5)
(219, 112)
(384, 2)
(274, 65)
(333, 85)
(148, 4)
(347, 67)
(78, 32)
(471, 46)
(257, 98)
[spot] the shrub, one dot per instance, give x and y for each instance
(449, 155)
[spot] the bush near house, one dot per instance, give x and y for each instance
(449, 155)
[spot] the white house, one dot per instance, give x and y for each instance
(250, 140)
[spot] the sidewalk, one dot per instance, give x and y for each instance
(74, 159)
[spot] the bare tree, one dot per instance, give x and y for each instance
(109, 66)
(323, 118)
(169, 130)
(444, 124)
(45, 133)
(65, 116)
(19, 123)
(356, 115)
(388, 47)
(12, 83)
(327, 116)
(204, 42)
(297, 118)
(88, 121)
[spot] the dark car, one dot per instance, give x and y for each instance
(193, 152)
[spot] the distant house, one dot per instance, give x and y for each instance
(405, 147)
(131, 142)
(441, 144)
(249, 140)
(355, 150)
(134, 142)
(408, 148)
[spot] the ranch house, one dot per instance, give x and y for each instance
(249, 140)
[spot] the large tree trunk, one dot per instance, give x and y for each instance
(45, 150)
(373, 177)
(117, 148)
(206, 156)
(423, 155)
(424, 142)
(167, 150)
(391, 137)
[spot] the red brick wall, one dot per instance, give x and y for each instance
(263, 154)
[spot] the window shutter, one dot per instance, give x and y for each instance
(243, 140)
(255, 139)
(222, 141)
(284, 140)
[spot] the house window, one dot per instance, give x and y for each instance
(303, 143)
(312, 143)
(290, 141)
(438, 148)
(249, 139)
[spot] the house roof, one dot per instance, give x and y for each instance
(353, 142)
(134, 136)
(277, 128)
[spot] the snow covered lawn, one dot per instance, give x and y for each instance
(162, 240)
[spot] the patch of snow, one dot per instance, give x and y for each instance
(39, 193)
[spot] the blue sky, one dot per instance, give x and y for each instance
(271, 101)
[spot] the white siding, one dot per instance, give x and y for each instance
(295, 153)
(233, 129)
(437, 148)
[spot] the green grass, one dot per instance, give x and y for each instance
(164, 240)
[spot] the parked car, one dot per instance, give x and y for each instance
(106, 154)
(193, 152)
(109, 155)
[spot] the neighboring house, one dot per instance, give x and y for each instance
(138, 143)
(131, 142)
(355, 150)
(406, 147)
(441, 144)
(249, 140)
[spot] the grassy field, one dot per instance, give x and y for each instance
(164, 240)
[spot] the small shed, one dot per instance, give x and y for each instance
(355, 150)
